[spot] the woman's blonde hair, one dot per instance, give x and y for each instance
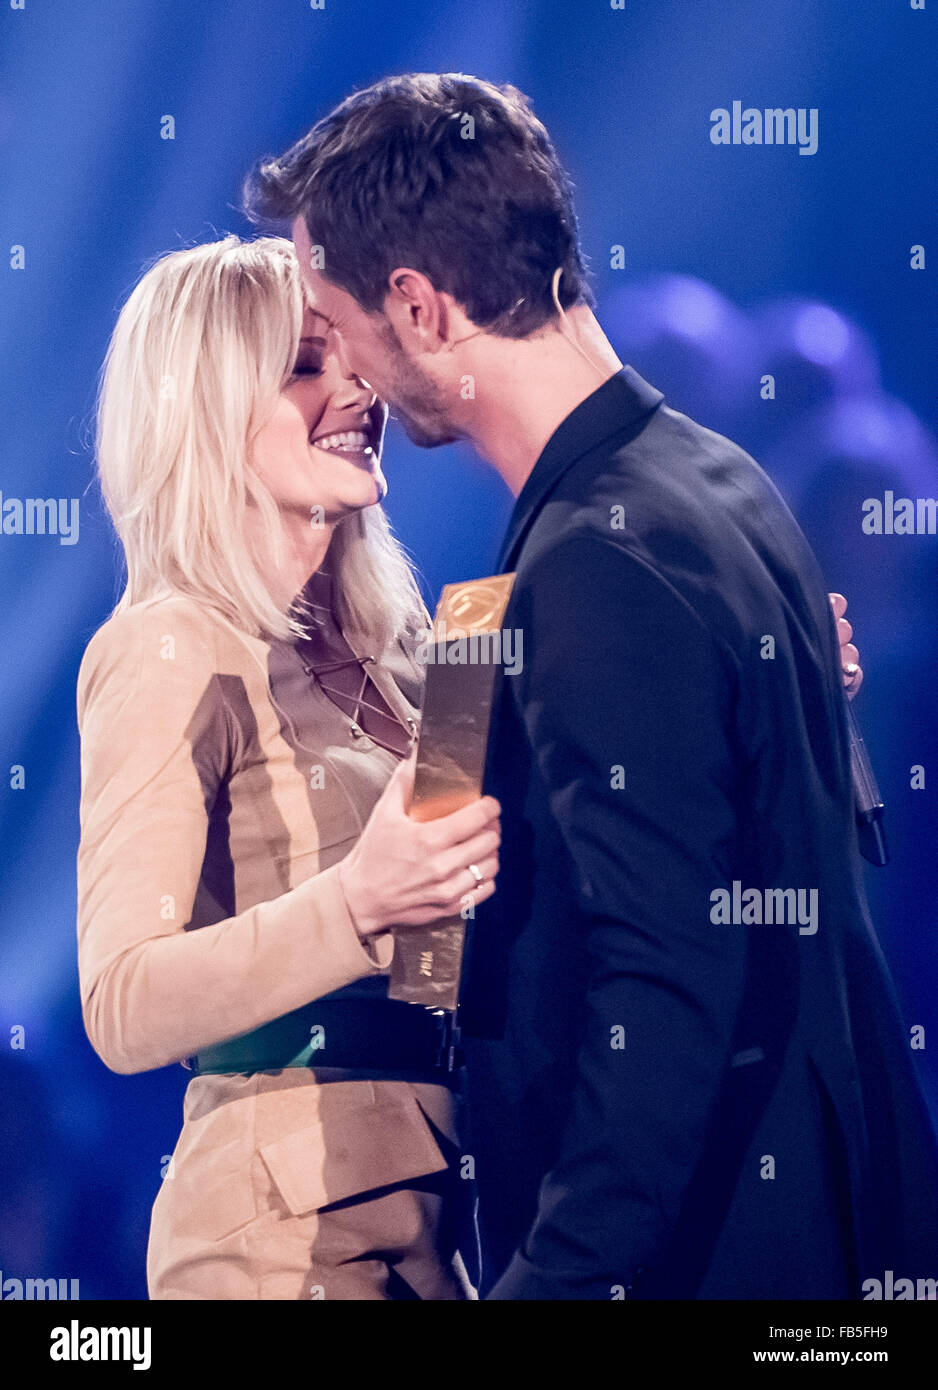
(196, 362)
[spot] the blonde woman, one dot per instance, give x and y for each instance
(246, 716)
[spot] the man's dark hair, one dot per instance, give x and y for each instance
(442, 172)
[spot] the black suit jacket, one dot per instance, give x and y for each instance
(660, 1104)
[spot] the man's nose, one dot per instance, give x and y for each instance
(346, 370)
(353, 391)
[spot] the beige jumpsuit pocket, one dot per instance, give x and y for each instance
(355, 1145)
(355, 1199)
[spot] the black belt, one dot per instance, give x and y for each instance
(380, 1036)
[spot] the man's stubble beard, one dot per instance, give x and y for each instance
(415, 399)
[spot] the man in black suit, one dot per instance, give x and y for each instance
(688, 1075)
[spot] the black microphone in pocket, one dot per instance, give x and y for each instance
(869, 803)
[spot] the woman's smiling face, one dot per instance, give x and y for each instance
(321, 446)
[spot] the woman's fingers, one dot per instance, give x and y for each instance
(463, 881)
(412, 872)
(461, 825)
(853, 671)
(454, 907)
(457, 859)
(849, 656)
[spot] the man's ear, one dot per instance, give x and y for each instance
(416, 310)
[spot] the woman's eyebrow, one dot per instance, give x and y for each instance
(314, 340)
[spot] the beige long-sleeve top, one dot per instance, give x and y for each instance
(220, 790)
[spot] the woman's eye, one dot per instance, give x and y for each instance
(307, 369)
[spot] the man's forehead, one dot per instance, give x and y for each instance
(327, 300)
(319, 293)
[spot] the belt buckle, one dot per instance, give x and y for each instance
(447, 1039)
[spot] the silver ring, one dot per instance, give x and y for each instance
(476, 874)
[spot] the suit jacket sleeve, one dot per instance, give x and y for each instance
(156, 744)
(627, 702)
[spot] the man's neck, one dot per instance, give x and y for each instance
(526, 387)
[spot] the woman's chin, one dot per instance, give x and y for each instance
(368, 494)
(375, 490)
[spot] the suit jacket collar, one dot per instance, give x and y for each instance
(614, 407)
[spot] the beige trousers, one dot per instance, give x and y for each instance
(282, 1188)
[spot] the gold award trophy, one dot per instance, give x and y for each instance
(462, 656)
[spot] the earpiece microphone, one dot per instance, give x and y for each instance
(567, 331)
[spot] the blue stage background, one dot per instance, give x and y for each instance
(739, 261)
